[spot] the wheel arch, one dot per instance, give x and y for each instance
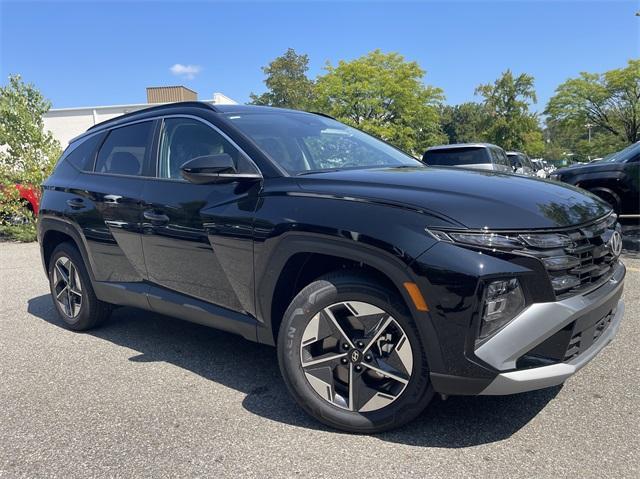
(54, 231)
(299, 260)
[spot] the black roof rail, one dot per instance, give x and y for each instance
(164, 106)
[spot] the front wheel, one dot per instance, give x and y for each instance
(351, 356)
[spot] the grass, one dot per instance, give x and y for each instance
(25, 233)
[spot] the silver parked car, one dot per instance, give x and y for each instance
(481, 156)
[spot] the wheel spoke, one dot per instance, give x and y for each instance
(61, 292)
(333, 319)
(315, 362)
(386, 373)
(63, 274)
(378, 332)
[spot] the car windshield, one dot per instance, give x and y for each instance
(456, 157)
(627, 154)
(303, 143)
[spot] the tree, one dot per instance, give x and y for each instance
(464, 123)
(384, 95)
(511, 124)
(28, 152)
(287, 82)
(609, 101)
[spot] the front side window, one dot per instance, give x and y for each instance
(125, 150)
(301, 142)
(184, 139)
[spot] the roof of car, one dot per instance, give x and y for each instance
(462, 145)
(514, 153)
(225, 109)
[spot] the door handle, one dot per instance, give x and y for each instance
(76, 203)
(157, 219)
(112, 199)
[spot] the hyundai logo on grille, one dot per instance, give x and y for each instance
(615, 244)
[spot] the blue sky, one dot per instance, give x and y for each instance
(89, 53)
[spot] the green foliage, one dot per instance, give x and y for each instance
(384, 95)
(28, 153)
(609, 101)
(511, 125)
(464, 123)
(25, 233)
(287, 82)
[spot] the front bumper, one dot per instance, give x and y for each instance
(539, 322)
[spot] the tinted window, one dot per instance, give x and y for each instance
(83, 155)
(456, 157)
(516, 160)
(125, 149)
(301, 142)
(184, 139)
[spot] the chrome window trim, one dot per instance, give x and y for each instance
(108, 131)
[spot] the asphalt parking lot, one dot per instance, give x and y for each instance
(150, 396)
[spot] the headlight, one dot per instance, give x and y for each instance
(503, 300)
(503, 240)
(546, 241)
(491, 240)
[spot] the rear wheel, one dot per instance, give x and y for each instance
(73, 295)
(351, 356)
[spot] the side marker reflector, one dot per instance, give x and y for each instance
(416, 296)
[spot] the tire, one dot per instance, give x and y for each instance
(74, 299)
(376, 402)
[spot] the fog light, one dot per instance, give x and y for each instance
(503, 300)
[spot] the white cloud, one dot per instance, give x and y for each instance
(188, 72)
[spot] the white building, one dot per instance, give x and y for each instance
(67, 123)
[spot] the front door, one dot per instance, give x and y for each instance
(197, 239)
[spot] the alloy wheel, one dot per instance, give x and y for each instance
(356, 356)
(67, 286)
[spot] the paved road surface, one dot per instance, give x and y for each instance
(149, 396)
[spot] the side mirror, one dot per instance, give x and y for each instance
(213, 169)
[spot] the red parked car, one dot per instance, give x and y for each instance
(31, 196)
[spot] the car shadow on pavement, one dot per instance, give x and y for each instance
(253, 370)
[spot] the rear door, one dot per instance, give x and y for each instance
(198, 238)
(107, 202)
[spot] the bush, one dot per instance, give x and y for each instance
(27, 154)
(24, 233)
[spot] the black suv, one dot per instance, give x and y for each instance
(615, 178)
(380, 280)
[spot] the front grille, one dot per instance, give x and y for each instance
(590, 260)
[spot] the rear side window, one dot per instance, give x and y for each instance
(83, 155)
(125, 150)
(456, 157)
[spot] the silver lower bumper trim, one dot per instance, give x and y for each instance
(542, 320)
(546, 376)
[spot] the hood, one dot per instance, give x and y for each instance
(468, 198)
(595, 167)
